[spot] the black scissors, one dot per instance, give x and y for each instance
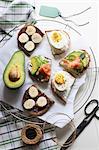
(91, 110)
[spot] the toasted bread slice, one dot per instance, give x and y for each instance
(28, 38)
(76, 62)
(42, 102)
(40, 68)
(62, 90)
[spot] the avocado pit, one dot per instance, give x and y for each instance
(14, 74)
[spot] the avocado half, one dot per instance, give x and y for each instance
(14, 73)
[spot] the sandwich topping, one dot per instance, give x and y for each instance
(61, 84)
(40, 68)
(76, 62)
(59, 41)
(59, 81)
(28, 38)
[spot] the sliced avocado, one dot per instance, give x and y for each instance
(14, 73)
(85, 61)
(41, 60)
(35, 65)
(37, 62)
(81, 54)
(72, 56)
(77, 53)
(84, 58)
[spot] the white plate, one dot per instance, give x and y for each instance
(14, 97)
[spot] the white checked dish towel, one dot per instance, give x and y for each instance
(12, 14)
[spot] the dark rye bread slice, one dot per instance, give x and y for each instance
(73, 72)
(40, 77)
(37, 111)
(21, 45)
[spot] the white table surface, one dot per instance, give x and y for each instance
(89, 139)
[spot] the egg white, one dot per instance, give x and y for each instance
(69, 80)
(64, 42)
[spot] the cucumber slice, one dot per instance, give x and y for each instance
(42, 60)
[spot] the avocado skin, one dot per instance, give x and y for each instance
(24, 74)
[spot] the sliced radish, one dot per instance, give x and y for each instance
(29, 104)
(29, 46)
(41, 101)
(33, 92)
(36, 38)
(30, 30)
(23, 38)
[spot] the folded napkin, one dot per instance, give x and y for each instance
(13, 13)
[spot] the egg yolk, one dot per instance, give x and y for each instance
(56, 37)
(59, 78)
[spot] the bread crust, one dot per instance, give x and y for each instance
(63, 100)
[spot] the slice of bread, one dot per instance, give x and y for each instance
(38, 75)
(22, 45)
(84, 62)
(37, 111)
(62, 90)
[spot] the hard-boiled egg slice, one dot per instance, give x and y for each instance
(63, 81)
(58, 39)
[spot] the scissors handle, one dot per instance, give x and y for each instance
(93, 101)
